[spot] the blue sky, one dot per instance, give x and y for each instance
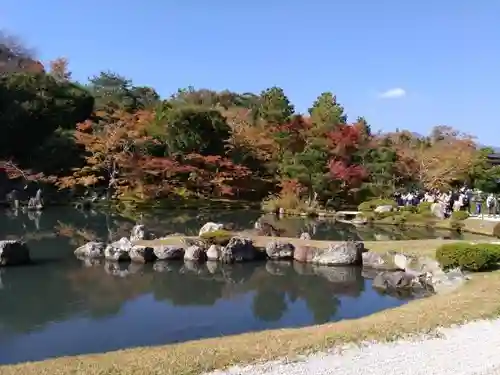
(442, 55)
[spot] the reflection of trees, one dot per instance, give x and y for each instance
(269, 305)
(314, 286)
(36, 295)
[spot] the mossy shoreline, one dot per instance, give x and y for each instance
(478, 299)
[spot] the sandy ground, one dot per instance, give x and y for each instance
(471, 349)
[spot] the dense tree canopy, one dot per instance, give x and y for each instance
(112, 134)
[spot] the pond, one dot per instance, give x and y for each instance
(63, 306)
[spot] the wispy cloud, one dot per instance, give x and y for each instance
(394, 93)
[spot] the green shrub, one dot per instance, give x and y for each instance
(469, 257)
(424, 207)
(383, 215)
(374, 203)
(459, 215)
(410, 208)
(217, 237)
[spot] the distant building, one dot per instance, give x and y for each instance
(494, 158)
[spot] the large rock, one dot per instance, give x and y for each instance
(210, 227)
(305, 236)
(373, 260)
(343, 254)
(168, 252)
(13, 253)
(142, 254)
(304, 254)
(91, 249)
(438, 210)
(383, 209)
(119, 250)
(279, 250)
(436, 278)
(239, 249)
(140, 233)
(395, 280)
(213, 252)
(194, 253)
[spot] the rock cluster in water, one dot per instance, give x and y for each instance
(14, 253)
(390, 271)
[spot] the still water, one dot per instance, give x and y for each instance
(62, 306)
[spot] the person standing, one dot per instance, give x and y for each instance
(491, 205)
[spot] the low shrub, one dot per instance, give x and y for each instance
(459, 215)
(468, 257)
(374, 203)
(217, 237)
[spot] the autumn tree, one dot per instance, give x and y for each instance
(344, 164)
(441, 160)
(59, 69)
(113, 145)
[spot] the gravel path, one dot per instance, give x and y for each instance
(472, 349)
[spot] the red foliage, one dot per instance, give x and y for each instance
(295, 131)
(291, 186)
(350, 174)
(345, 139)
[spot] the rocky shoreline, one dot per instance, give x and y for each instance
(391, 271)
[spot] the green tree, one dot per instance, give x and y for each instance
(275, 107)
(326, 113)
(483, 175)
(191, 129)
(33, 106)
(113, 91)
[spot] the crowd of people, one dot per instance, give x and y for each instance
(463, 199)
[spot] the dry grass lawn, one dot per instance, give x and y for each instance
(479, 298)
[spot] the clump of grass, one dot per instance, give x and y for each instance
(291, 203)
(217, 237)
(459, 215)
(424, 207)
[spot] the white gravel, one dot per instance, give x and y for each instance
(471, 349)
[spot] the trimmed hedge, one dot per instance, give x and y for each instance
(468, 257)
(374, 203)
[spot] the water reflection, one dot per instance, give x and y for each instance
(82, 226)
(237, 298)
(63, 306)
